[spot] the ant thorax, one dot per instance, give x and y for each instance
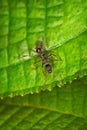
(44, 59)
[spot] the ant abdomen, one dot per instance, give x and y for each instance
(48, 68)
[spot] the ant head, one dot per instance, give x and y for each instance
(49, 68)
(38, 49)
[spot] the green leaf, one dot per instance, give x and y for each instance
(63, 109)
(63, 24)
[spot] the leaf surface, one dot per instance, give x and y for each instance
(63, 108)
(63, 24)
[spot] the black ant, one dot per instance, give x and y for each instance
(40, 50)
(41, 53)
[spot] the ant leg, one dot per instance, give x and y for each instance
(27, 56)
(37, 61)
(57, 57)
(42, 64)
(34, 51)
(49, 57)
